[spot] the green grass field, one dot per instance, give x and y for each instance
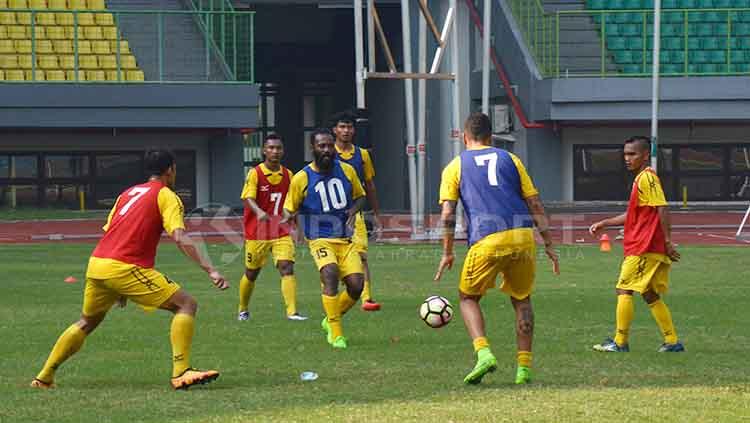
(396, 368)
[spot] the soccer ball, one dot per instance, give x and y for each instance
(436, 311)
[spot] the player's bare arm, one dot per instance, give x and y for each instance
(190, 249)
(666, 228)
(448, 222)
(536, 209)
(262, 215)
(612, 221)
(372, 198)
(359, 203)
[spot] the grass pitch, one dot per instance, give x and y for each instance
(396, 368)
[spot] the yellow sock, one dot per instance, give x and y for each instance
(289, 292)
(246, 291)
(663, 318)
(181, 336)
(480, 343)
(331, 307)
(345, 302)
(524, 358)
(67, 344)
(624, 318)
(366, 292)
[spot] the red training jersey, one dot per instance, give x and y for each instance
(270, 198)
(643, 233)
(136, 227)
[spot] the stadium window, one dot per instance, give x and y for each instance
(4, 166)
(23, 166)
(701, 158)
(118, 166)
(63, 195)
(185, 185)
(598, 172)
(739, 180)
(19, 195)
(66, 166)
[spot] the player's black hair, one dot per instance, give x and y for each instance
(342, 117)
(157, 161)
(643, 143)
(320, 131)
(271, 136)
(478, 126)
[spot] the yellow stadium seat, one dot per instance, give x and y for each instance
(71, 75)
(104, 19)
(23, 46)
(113, 75)
(14, 75)
(3, 4)
(17, 32)
(2, 75)
(95, 75)
(86, 19)
(88, 62)
(100, 47)
(38, 4)
(77, 4)
(124, 47)
(62, 46)
(107, 62)
(110, 32)
(71, 31)
(47, 62)
(93, 33)
(96, 4)
(23, 18)
(56, 33)
(30, 75)
(9, 61)
(65, 19)
(84, 47)
(135, 76)
(6, 47)
(45, 18)
(66, 61)
(24, 61)
(55, 75)
(128, 62)
(43, 47)
(57, 4)
(18, 4)
(7, 18)
(40, 32)
(3, 32)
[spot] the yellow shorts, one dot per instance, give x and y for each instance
(647, 272)
(341, 252)
(359, 238)
(256, 251)
(145, 287)
(516, 263)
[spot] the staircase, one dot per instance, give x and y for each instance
(184, 42)
(580, 44)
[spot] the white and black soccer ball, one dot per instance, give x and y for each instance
(436, 311)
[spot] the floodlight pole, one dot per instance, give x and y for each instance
(359, 54)
(411, 146)
(456, 115)
(486, 57)
(655, 86)
(421, 124)
(371, 61)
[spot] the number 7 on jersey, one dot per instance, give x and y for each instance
(491, 159)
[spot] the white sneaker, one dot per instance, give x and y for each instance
(244, 315)
(296, 316)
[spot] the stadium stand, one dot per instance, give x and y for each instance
(716, 41)
(45, 50)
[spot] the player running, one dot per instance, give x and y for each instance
(122, 267)
(264, 193)
(359, 158)
(327, 195)
(648, 251)
(502, 206)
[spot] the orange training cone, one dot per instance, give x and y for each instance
(604, 244)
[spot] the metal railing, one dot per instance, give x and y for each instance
(582, 43)
(538, 30)
(113, 46)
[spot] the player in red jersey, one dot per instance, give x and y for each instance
(264, 193)
(649, 251)
(122, 267)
